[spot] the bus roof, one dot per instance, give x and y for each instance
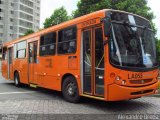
(67, 23)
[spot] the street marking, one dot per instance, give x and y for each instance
(7, 93)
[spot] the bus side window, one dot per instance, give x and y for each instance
(20, 50)
(4, 54)
(48, 44)
(67, 39)
(72, 47)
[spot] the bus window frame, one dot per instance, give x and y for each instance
(20, 57)
(76, 40)
(16, 52)
(39, 46)
(4, 58)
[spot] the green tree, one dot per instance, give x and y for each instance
(30, 31)
(47, 23)
(138, 7)
(59, 15)
(134, 6)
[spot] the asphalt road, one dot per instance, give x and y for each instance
(29, 101)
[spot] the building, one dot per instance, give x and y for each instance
(18, 16)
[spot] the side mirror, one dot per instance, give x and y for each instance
(107, 26)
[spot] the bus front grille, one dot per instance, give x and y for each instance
(140, 81)
(141, 92)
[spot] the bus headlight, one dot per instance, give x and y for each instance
(118, 78)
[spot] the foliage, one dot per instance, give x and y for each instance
(138, 7)
(59, 15)
(134, 6)
(30, 31)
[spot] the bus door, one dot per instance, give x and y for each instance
(32, 47)
(93, 62)
(10, 65)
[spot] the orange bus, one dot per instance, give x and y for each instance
(108, 55)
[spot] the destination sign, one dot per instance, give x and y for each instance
(89, 22)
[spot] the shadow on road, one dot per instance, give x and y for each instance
(124, 106)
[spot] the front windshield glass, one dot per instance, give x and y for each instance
(132, 44)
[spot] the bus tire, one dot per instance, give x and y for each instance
(17, 80)
(70, 90)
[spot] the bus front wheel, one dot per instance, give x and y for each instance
(17, 80)
(70, 90)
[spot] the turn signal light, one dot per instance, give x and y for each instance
(77, 76)
(123, 82)
(59, 75)
(156, 91)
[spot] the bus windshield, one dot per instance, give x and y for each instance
(132, 42)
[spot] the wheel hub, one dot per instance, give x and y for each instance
(71, 89)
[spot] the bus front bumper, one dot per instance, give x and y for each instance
(117, 92)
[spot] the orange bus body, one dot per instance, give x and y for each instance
(49, 71)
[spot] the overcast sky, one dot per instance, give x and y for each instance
(48, 6)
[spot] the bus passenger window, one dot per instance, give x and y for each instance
(48, 44)
(31, 53)
(71, 47)
(67, 40)
(21, 53)
(20, 49)
(35, 53)
(4, 54)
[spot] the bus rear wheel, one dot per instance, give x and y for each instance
(70, 90)
(17, 80)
